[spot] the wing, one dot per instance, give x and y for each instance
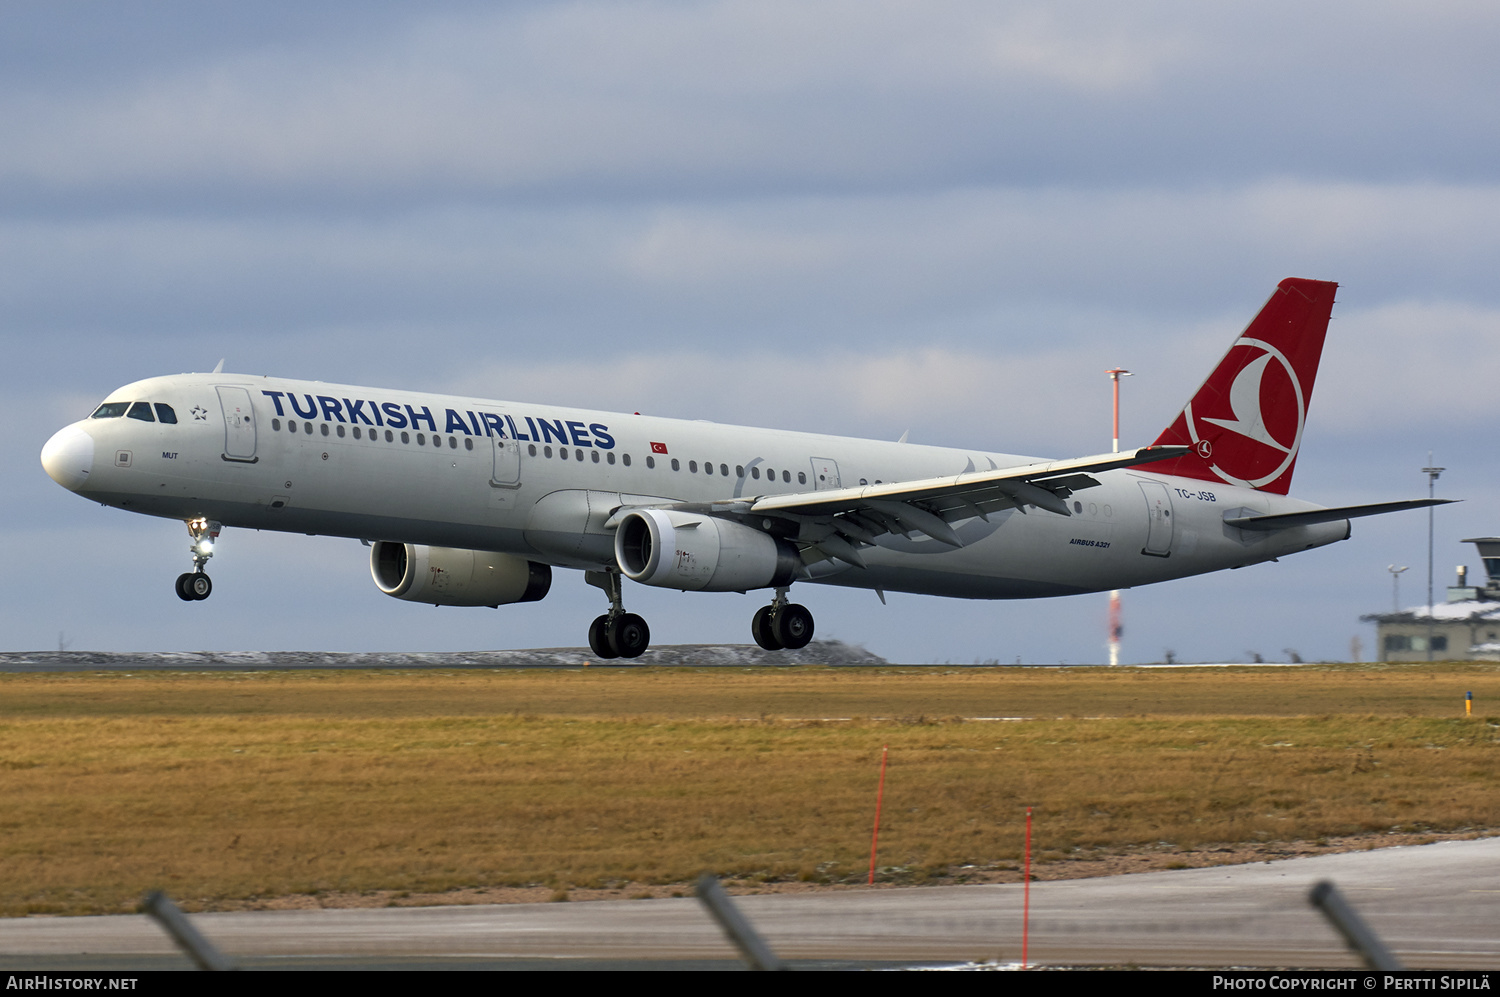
(837, 521)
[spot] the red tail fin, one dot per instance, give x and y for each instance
(1246, 421)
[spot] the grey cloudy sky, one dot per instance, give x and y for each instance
(856, 217)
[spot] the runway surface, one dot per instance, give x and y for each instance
(1433, 905)
(819, 652)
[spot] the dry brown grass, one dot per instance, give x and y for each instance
(231, 786)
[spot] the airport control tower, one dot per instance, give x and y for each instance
(1464, 628)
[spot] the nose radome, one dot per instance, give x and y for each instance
(69, 457)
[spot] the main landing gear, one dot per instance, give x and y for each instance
(782, 624)
(616, 634)
(195, 585)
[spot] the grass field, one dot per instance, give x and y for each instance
(224, 787)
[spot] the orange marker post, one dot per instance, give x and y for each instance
(1469, 704)
(1026, 893)
(879, 796)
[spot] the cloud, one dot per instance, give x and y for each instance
(652, 97)
(984, 265)
(1412, 362)
(950, 397)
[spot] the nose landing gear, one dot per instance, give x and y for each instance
(782, 624)
(616, 634)
(195, 585)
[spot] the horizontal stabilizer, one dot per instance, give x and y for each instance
(1287, 520)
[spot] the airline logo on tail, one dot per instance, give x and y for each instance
(1245, 423)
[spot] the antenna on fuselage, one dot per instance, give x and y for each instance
(219, 368)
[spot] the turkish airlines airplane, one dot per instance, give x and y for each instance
(473, 502)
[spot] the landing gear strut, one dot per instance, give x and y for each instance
(616, 634)
(195, 585)
(782, 624)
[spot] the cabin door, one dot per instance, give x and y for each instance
(1159, 519)
(239, 423)
(507, 473)
(825, 473)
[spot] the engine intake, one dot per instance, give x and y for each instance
(449, 576)
(697, 553)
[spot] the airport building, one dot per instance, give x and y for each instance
(1465, 627)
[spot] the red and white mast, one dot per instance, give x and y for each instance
(1115, 628)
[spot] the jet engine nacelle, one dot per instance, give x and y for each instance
(696, 553)
(447, 576)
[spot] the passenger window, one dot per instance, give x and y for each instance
(389, 436)
(650, 460)
(610, 457)
(786, 476)
(165, 413)
(739, 472)
(546, 451)
(421, 439)
(724, 470)
(325, 428)
(468, 442)
(307, 428)
(692, 467)
(356, 432)
(110, 410)
(404, 437)
(276, 424)
(453, 443)
(676, 466)
(562, 453)
(801, 478)
(340, 431)
(625, 459)
(531, 449)
(141, 411)
(596, 456)
(578, 455)
(755, 473)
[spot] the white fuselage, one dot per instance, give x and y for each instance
(540, 481)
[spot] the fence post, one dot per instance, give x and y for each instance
(752, 947)
(188, 938)
(1357, 935)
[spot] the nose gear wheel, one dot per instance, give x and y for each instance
(195, 586)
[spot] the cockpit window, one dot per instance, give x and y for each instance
(165, 414)
(110, 410)
(141, 411)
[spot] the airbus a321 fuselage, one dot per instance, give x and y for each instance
(473, 502)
